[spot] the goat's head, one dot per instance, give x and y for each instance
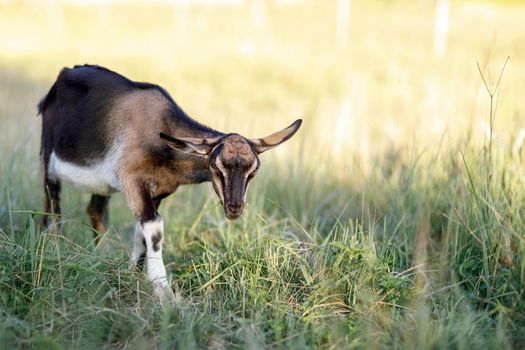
(233, 161)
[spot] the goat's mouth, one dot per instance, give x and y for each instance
(232, 214)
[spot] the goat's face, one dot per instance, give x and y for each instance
(233, 161)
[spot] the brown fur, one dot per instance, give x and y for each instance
(156, 239)
(90, 111)
(97, 211)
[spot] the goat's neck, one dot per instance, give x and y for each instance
(195, 168)
(181, 125)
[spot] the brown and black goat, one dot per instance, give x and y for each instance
(104, 133)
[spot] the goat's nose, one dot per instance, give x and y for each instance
(234, 207)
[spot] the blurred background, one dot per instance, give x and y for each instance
(377, 82)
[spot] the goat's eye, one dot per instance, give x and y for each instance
(213, 166)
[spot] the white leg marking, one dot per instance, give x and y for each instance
(153, 232)
(139, 249)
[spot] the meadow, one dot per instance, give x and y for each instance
(394, 219)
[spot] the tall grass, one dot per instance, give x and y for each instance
(383, 224)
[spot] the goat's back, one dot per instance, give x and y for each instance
(80, 120)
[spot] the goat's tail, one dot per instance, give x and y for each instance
(47, 99)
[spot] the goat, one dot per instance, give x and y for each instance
(104, 133)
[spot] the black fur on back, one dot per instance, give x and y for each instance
(44, 102)
(85, 73)
(79, 102)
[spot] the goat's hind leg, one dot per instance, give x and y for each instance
(51, 202)
(51, 185)
(98, 214)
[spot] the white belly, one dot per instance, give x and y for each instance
(99, 178)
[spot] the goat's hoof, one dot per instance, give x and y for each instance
(53, 228)
(163, 293)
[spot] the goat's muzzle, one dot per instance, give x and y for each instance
(233, 211)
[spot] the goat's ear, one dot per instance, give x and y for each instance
(191, 145)
(275, 139)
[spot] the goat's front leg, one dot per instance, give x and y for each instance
(153, 233)
(149, 236)
(139, 247)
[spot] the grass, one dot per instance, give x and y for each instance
(393, 220)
